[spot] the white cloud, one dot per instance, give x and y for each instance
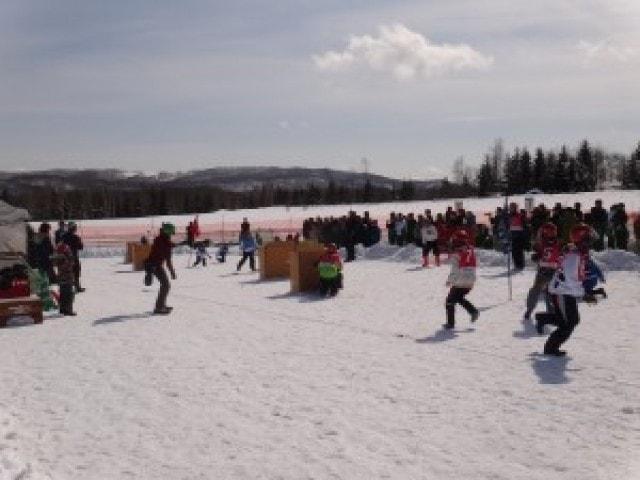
(606, 51)
(403, 53)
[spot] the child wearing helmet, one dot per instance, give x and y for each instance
(462, 277)
(64, 263)
(547, 255)
(161, 254)
(330, 271)
(566, 289)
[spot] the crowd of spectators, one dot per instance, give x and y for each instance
(611, 226)
(345, 231)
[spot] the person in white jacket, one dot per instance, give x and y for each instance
(429, 241)
(462, 277)
(566, 289)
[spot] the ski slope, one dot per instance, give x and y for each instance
(245, 381)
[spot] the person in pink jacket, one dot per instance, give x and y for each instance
(462, 277)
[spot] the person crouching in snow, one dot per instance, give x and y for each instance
(330, 271)
(201, 253)
(248, 248)
(462, 277)
(64, 262)
(161, 254)
(429, 238)
(593, 274)
(566, 289)
(547, 255)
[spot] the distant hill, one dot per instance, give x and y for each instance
(237, 179)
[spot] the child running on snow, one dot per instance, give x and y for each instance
(462, 277)
(330, 271)
(201, 253)
(429, 238)
(547, 255)
(566, 289)
(593, 274)
(248, 248)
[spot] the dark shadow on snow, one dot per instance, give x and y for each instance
(258, 281)
(489, 307)
(550, 370)
(440, 336)
(120, 318)
(301, 297)
(129, 271)
(415, 269)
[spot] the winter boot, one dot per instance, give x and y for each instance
(425, 261)
(437, 260)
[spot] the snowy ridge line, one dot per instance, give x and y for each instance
(610, 260)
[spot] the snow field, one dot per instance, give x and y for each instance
(245, 381)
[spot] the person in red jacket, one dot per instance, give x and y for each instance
(161, 254)
(330, 271)
(547, 254)
(462, 277)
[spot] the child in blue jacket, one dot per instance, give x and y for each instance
(593, 274)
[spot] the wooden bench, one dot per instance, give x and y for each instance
(23, 306)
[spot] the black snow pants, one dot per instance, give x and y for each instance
(517, 249)
(252, 260)
(66, 298)
(456, 295)
(161, 275)
(565, 317)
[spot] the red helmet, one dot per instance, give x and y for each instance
(548, 231)
(63, 249)
(581, 234)
(460, 238)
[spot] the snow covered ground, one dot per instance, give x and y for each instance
(245, 381)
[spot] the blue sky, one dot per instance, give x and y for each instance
(410, 85)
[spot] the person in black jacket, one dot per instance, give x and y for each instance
(161, 254)
(44, 251)
(74, 241)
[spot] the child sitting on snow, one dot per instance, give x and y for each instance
(462, 277)
(593, 274)
(201, 253)
(330, 271)
(64, 262)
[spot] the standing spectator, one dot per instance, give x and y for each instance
(429, 240)
(74, 241)
(517, 230)
(636, 232)
(65, 265)
(600, 222)
(161, 254)
(391, 229)
(43, 251)
(401, 229)
(577, 210)
(620, 229)
(60, 232)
